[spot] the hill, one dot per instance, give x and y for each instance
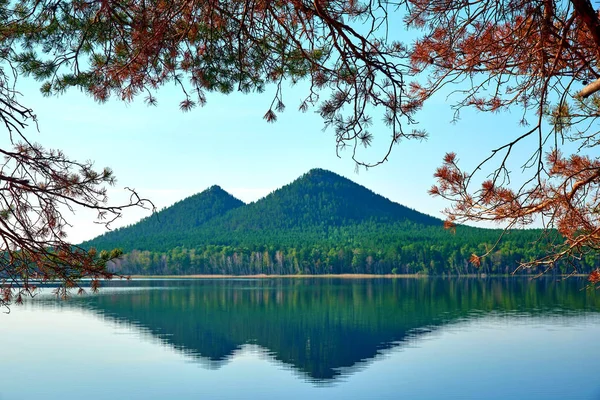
(183, 216)
(320, 223)
(321, 198)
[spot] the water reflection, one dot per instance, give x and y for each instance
(324, 329)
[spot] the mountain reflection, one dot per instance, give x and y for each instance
(323, 328)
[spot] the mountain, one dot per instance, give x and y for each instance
(182, 216)
(313, 204)
(320, 223)
(320, 198)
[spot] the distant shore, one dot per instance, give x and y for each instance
(265, 276)
(345, 276)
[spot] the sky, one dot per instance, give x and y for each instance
(167, 155)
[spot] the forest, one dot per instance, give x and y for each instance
(321, 223)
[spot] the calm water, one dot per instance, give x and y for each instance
(307, 339)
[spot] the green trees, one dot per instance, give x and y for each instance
(540, 57)
(129, 48)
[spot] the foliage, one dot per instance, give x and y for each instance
(36, 187)
(128, 48)
(529, 55)
(532, 55)
(535, 56)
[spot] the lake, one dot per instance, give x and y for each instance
(307, 339)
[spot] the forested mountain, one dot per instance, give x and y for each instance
(183, 216)
(321, 198)
(310, 208)
(320, 223)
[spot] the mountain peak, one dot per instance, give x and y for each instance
(318, 171)
(215, 188)
(184, 215)
(321, 173)
(320, 177)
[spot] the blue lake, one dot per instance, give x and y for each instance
(307, 338)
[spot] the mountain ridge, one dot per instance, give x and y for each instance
(317, 198)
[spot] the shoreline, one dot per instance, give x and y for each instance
(274, 276)
(347, 276)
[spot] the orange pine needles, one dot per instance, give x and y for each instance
(533, 56)
(594, 277)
